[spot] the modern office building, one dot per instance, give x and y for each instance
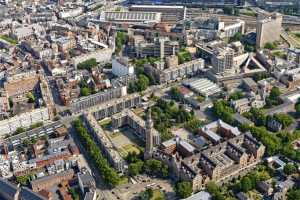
(224, 58)
(160, 46)
(268, 29)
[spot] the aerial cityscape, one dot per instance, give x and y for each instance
(149, 99)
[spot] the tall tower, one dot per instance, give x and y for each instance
(149, 136)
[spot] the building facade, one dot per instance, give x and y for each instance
(268, 29)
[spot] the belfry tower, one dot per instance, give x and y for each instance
(149, 136)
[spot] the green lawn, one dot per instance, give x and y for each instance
(295, 36)
(279, 54)
(105, 123)
(128, 149)
(8, 39)
(248, 13)
(114, 135)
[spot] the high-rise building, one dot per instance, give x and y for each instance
(149, 136)
(268, 29)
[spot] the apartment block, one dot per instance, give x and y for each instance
(83, 103)
(106, 145)
(115, 106)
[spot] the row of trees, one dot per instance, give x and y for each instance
(109, 175)
(275, 142)
(260, 119)
(223, 111)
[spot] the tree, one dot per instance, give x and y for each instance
(228, 10)
(135, 168)
(284, 119)
(193, 125)
(293, 194)
(120, 40)
(258, 117)
(297, 108)
(236, 11)
(289, 169)
(246, 184)
(273, 98)
(223, 111)
(85, 91)
(74, 194)
(175, 94)
(236, 95)
(260, 76)
(11, 102)
(23, 180)
(184, 189)
(30, 97)
(164, 170)
(132, 87)
(275, 93)
(215, 191)
(237, 37)
(152, 166)
(19, 130)
(270, 46)
(142, 83)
